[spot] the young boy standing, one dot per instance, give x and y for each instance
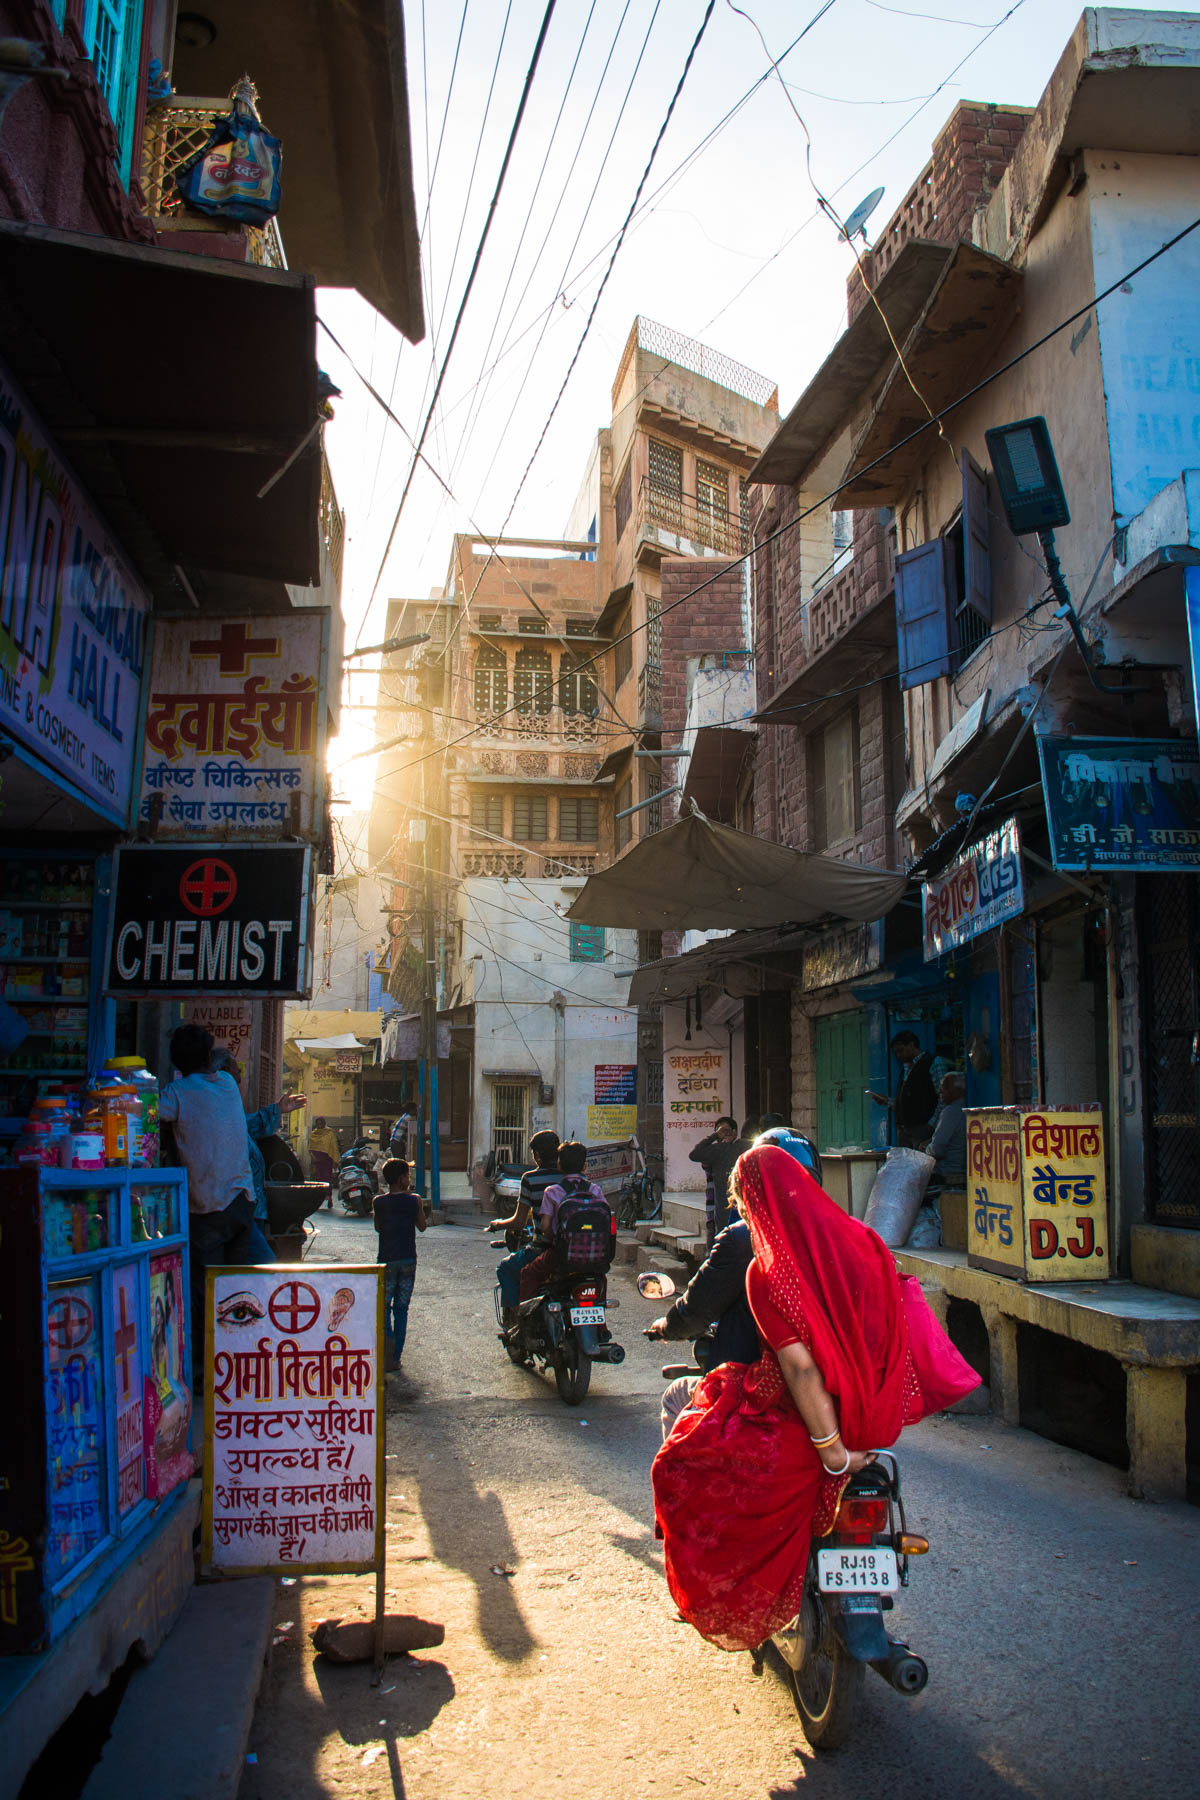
(399, 1215)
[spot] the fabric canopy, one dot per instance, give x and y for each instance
(344, 1040)
(698, 876)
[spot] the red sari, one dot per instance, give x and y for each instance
(739, 1490)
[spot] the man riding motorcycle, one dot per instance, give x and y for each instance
(534, 1182)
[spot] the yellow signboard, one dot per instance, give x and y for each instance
(611, 1121)
(1037, 1197)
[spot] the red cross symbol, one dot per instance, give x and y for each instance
(69, 1322)
(124, 1340)
(234, 648)
(207, 887)
(294, 1306)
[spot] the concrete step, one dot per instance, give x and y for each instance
(654, 1257)
(685, 1210)
(684, 1242)
(189, 1711)
(644, 1229)
(628, 1244)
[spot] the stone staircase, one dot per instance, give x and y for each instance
(682, 1232)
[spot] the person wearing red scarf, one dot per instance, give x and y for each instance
(754, 1468)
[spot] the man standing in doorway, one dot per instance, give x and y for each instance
(916, 1097)
(717, 1155)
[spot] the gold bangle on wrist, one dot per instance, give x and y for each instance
(820, 1443)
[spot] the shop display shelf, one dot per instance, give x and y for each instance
(46, 905)
(46, 999)
(6, 959)
(56, 1069)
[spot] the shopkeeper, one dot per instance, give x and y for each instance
(205, 1111)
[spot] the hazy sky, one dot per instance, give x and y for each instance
(731, 251)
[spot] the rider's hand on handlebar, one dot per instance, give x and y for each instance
(657, 1330)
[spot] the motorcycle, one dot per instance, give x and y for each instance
(356, 1183)
(562, 1328)
(853, 1576)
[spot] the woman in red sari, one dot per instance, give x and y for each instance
(754, 1467)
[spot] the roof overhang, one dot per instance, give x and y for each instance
(707, 439)
(176, 386)
(853, 365)
(614, 606)
(738, 965)
(842, 664)
(701, 876)
(332, 86)
(957, 329)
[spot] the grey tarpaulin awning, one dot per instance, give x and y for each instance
(699, 876)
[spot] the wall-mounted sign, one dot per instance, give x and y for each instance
(841, 955)
(294, 1419)
(232, 1025)
(73, 620)
(611, 1121)
(347, 1062)
(235, 727)
(1037, 1204)
(979, 890)
(1122, 803)
(209, 919)
(614, 1084)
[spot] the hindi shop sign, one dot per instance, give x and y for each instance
(1122, 803)
(294, 1419)
(1037, 1203)
(209, 919)
(73, 620)
(979, 890)
(235, 726)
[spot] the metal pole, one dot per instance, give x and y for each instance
(435, 1154)
(429, 1111)
(420, 1171)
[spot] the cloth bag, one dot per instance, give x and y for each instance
(236, 174)
(942, 1374)
(896, 1194)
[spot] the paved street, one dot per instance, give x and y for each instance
(1057, 1616)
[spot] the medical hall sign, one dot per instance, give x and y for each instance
(209, 919)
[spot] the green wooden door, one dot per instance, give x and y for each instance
(843, 1121)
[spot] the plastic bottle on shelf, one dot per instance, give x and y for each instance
(35, 1147)
(113, 1120)
(143, 1127)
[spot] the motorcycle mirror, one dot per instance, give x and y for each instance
(655, 1286)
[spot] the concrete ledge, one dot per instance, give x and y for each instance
(1162, 1256)
(39, 1693)
(1154, 1335)
(191, 1709)
(1135, 1324)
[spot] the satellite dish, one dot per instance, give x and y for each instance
(862, 212)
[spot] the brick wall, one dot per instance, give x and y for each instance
(970, 155)
(711, 622)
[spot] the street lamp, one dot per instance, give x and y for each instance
(389, 644)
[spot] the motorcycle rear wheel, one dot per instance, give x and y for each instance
(572, 1374)
(828, 1682)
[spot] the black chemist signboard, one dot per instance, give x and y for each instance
(209, 919)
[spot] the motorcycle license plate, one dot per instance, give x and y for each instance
(587, 1315)
(858, 1569)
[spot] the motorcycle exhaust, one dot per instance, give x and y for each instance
(606, 1353)
(901, 1669)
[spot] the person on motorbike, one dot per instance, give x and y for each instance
(534, 1182)
(570, 1184)
(715, 1294)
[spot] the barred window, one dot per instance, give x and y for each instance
(533, 680)
(491, 680)
(531, 622)
(579, 627)
(624, 498)
(487, 814)
(666, 483)
(487, 621)
(529, 818)
(576, 683)
(578, 820)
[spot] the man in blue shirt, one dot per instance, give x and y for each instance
(399, 1215)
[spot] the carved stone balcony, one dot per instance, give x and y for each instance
(549, 727)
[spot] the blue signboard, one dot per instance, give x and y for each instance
(1122, 803)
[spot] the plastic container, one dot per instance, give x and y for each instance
(84, 1148)
(36, 1146)
(101, 1113)
(132, 1072)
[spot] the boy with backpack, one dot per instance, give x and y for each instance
(570, 1198)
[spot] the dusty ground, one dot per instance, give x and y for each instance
(1057, 1616)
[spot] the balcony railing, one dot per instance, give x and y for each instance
(509, 863)
(176, 129)
(553, 725)
(681, 520)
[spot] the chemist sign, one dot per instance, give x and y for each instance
(209, 919)
(73, 620)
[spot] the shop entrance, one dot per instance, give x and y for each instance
(937, 1020)
(769, 1054)
(1169, 906)
(843, 1076)
(510, 1121)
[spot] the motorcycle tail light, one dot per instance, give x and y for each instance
(587, 1295)
(860, 1519)
(909, 1544)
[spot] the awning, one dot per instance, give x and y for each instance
(714, 765)
(344, 1040)
(332, 86)
(847, 372)
(700, 876)
(958, 328)
(739, 961)
(176, 386)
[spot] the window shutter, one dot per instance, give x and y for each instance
(977, 563)
(924, 636)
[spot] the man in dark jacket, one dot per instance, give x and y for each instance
(716, 1292)
(534, 1183)
(717, 1155)
(916, 1096)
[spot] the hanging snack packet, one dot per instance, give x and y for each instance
(236, 174)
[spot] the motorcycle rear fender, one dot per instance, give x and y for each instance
(588, 1339)
(860, 1630)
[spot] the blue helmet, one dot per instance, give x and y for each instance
(796, 1144)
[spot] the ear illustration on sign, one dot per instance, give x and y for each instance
(339, 1306)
